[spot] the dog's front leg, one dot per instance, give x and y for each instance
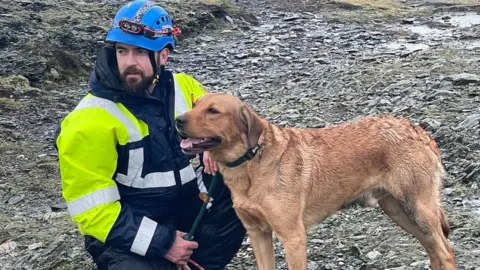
(295, 244)
(262, 244)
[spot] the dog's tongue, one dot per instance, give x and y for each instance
(188, 143)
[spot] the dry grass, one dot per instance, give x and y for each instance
(365, 10)
(376, 10)
(457, 2)
(376, 4)
(10, 104)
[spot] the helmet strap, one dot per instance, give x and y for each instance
(156, 70)
(151, 55)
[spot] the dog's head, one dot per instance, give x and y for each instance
(221, 124)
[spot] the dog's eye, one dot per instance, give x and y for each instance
(212, 110)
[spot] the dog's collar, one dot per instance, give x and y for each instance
(247, 156)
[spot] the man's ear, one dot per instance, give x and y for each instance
(252, 126)
(162, 56)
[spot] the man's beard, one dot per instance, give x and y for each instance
(135, 85)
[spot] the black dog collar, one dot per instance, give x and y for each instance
(247, 156)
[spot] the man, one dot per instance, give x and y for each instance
(128, 186)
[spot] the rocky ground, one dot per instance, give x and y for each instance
(298, 63)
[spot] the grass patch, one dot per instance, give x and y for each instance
(9, 104)
(365, 10)
(454, 2)
(376, 4)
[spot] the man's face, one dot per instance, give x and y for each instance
(136, 71)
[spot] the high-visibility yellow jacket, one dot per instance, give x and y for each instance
(121, 165)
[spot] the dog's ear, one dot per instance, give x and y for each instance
(252, 125)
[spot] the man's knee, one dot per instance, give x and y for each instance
(218, 243)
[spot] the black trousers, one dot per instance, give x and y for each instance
(220, 235)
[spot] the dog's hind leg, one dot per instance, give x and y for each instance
(425, 221)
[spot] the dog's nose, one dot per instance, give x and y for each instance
(180, 121)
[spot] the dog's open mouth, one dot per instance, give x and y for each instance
(199, 144)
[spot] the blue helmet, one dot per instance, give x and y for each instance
(144, 24)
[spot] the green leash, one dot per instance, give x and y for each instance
(189, 236)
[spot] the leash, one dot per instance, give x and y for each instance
(205, 197)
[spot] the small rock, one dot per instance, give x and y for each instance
(315, 35)
(384, 101)
(8, 124)
(241, 56)
(322, 61)
(292, 18)
(448, 191)
(408, 20)
(470, 122)
(319, 241)
(229, 19)
(312, 265)
(35, 246)
(58, 206)
(8, 247)
(372, 255)
(53, 215)
(397, 268)
(463, 78)
(420, 263)
(369, 59)
(54, 73)
(430, 124)
(15, 199)
(206, 38)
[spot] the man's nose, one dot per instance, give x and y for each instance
(180, 121)
(131, 60)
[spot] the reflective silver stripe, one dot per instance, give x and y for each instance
(187, 174)
(112, 108)
(134, 170)
(142, 10)
(93, 199)
(157, 179)
(144, 236)
(181, 105)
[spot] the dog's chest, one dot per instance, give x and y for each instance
(250, 212)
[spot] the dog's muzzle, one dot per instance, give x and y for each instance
(180, 122)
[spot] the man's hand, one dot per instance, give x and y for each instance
(181, 250)
(210, 164)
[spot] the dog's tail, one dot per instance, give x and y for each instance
(444, 223)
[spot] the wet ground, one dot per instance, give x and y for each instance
(304, 64)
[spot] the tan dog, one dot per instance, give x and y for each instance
(285, 180)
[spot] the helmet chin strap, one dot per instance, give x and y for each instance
(156, 71)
